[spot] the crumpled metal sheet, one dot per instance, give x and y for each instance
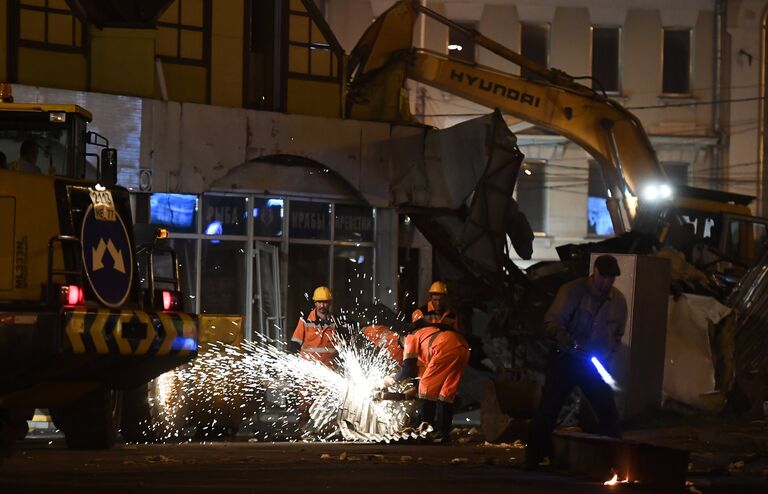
(750, 300)
(689, 373)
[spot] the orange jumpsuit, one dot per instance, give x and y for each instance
(430, 314)
(316, 338)
(385, 338)
(445, 355)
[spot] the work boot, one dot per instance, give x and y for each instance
(444, 418)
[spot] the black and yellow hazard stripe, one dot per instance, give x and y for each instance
(130, 332)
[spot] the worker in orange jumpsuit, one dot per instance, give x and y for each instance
(384, 337)
(315, 336)
(436, 309)
(446, 354)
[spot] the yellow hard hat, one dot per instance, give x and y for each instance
(438, 287)
(322, 294)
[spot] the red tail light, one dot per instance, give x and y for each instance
(73, 295)
(167, 300)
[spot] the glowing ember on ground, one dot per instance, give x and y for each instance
(260, 379)
(615, 480)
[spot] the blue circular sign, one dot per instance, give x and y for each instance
(107, 257)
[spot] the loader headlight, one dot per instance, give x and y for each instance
(656, 192)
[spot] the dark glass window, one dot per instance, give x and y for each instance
(677, 61)
(354, 223)
(352, 276)
(268, 217)
(461, 46)
(224, 269)
(605, 58)
(309, 268)
(310, 220)
(534, 45)
(531, 195)
(224, 215)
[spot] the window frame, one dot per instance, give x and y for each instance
(313, 14)
(620, 56)
(523, 71)
(689, 91)
(467, 25)
(205, 29)
(14, 32)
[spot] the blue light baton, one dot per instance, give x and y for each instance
(604, 374)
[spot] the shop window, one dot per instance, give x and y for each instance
(534, 45)
(598, 218)
(352, 277)
(308, 268)
(461, 46)
(310, 220)
(605, 58)
(177, 212)
(184, 32)
(50, 25)
(268, 217)
(224, 271)
(354, 223)
(676, 77)
(224, 215)
(677, 172)
(531, 195)
(311, 51)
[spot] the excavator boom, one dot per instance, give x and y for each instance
(384, 58)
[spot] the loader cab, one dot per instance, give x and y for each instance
(59, 138)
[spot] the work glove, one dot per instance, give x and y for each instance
(564, 341)
(387, 382)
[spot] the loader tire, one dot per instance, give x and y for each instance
(136, 421)
(7, 435)
(90, 421)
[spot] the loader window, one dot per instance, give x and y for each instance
(50, 152)
(706, 226)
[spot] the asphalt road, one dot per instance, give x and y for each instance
(246, 467)
(44, 465)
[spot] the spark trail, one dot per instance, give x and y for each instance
(259, 377)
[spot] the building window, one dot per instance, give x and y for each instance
(598, 218)
(606, 43)
(461, 46)
(262, 48)
(534, 45)
(677, 172)
(531, 193)
(184, 32)
(49, 25)
(310, 50)
(676, 77)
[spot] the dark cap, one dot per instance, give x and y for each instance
(607, 265)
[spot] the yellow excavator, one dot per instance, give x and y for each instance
(639, 195)
(77, 325)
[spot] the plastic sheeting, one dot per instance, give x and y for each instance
(689, 374)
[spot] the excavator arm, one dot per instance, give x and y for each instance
(384, 59)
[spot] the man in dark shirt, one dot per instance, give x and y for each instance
(586, 320)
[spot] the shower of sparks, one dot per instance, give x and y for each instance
(297, 397)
